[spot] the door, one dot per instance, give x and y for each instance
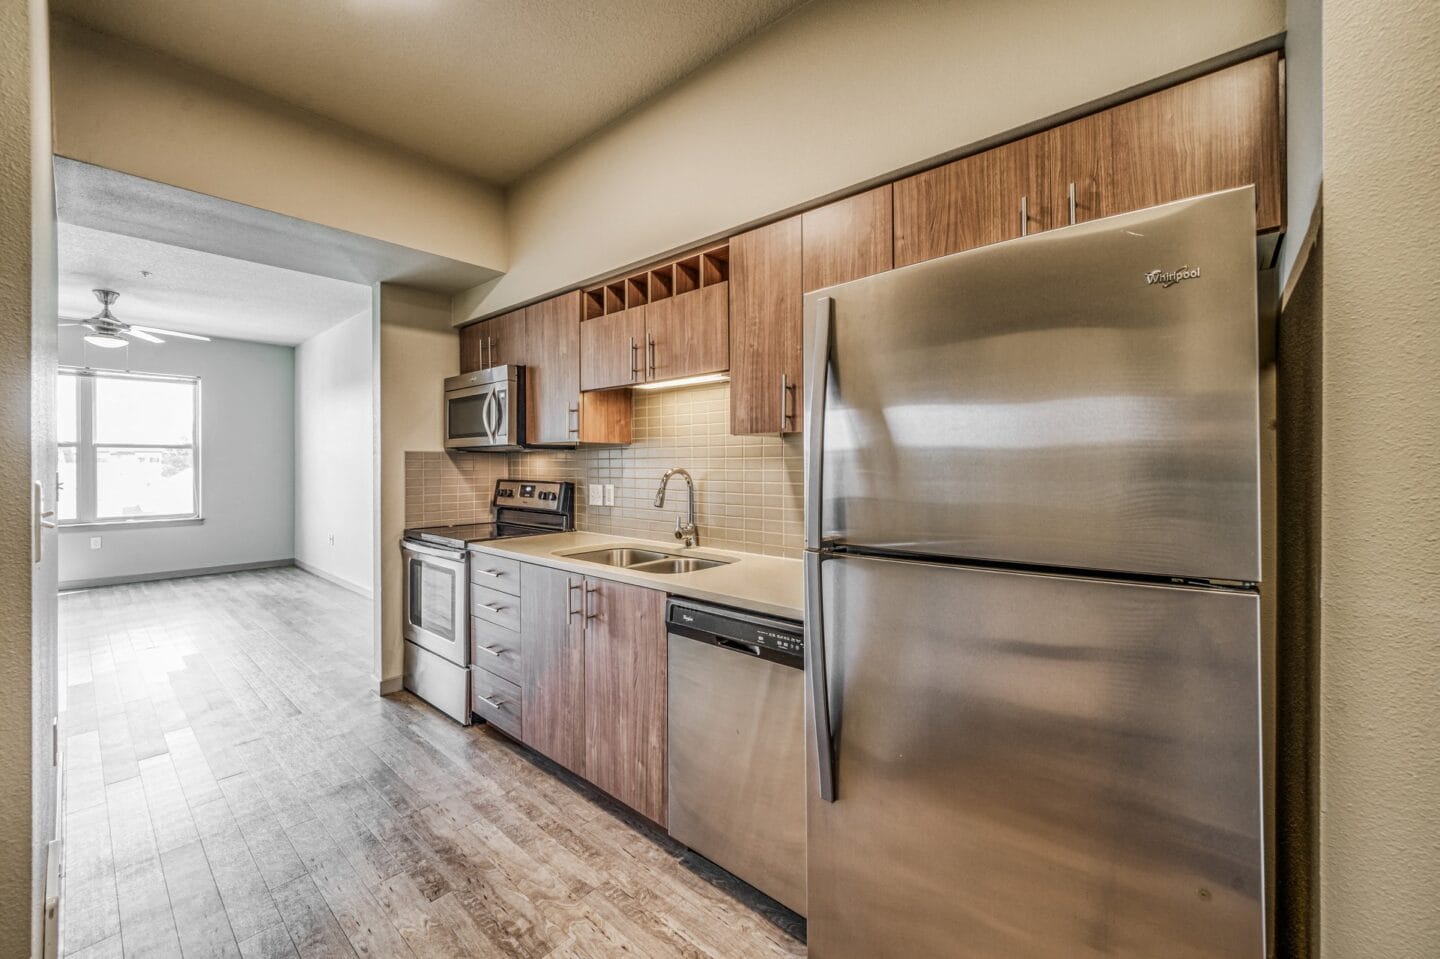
(689, 333)
(436, 601)
(612, 350)
(765, 329)
(1034, 767)
(625, 694)
(847, 239)
(1083, 398)
(553, 331)
(1212, 133)
(553, 657)
(980, 199)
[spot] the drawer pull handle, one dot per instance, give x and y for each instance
(489, 649)
(492, 607)
(495, 574)
(494, 704)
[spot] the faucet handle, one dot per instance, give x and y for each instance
(679, 528)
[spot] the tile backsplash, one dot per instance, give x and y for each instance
(749, 489)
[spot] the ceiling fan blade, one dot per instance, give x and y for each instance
(156, 329)
(142, 335)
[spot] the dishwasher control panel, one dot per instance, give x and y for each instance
(778, 640)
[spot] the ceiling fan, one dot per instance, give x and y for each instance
(109, 332)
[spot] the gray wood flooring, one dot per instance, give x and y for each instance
(235, 788)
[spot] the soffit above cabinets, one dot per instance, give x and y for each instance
(492, 88)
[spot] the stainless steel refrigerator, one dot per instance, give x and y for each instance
(1033, 556)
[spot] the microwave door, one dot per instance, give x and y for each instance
(465, 413)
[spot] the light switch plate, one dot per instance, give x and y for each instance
(94, 542)
(597, 495)
(609, 494)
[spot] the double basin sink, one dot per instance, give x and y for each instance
(646, 560)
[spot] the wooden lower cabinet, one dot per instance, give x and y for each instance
(626, 660)
(594, 682)
(552, 654)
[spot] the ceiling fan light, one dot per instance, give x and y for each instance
(107, 341)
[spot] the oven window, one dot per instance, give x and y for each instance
(467, 416)
(432, 598)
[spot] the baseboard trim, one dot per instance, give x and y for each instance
(332, 578)
(74, 584)
(392, 685)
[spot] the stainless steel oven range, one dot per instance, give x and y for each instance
(437, 586)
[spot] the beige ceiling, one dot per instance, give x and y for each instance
(492, 87)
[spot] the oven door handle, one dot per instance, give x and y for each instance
(435, 552)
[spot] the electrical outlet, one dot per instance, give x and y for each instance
(94, 542)
(609, 494)
(597, 495)
(332, 539)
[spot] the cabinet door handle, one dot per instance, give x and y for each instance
(489, 572)
(1024, 216)
(492, 703)
(489, 649)
(650, 352)
(634, 360)
(570, 611)
(492, 607)
(1072, 204)
(573, 411)
(590, 590)
(787, 404)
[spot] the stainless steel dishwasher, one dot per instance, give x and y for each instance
(737, 738)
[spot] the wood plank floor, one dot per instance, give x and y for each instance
(235, 788)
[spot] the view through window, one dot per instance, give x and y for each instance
(129, 446)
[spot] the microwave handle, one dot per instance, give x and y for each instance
(488, 415)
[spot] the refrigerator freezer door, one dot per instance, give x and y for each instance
(1036, 767)
(1083, 398)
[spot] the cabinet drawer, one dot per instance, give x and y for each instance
(495, 572)
(495, 648)
(496, 607)
(495, 700)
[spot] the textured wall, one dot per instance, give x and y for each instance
(1380, 563)
(27, 359)
(247, 462)
(335, 453)
(749, 492)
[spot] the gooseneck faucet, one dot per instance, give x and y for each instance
(688, 532)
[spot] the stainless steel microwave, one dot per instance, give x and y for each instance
(485, 410)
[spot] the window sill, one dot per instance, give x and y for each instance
(117, 524)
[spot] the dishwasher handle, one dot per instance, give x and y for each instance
(739, 647)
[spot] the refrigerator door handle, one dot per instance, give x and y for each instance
(817, 381)
(819, 677)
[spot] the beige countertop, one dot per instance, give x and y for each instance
(761, 584)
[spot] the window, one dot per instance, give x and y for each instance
(129, 446)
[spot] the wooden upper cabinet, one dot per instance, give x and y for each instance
(495, 342)
(626, 663)
(980, 199)
(688, 335)
(552, 655)
(766, 334)
(612, 350)
(1215, 132)
(559, 413)
(847, 239)
(1073, 172)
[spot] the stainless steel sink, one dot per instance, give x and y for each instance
(678, 564)
(626, 556)
(646, 560)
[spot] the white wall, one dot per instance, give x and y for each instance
(841, 92)
(1379, 715)
(335, 453)
(417, 350)
(126, 108)
(247, 463)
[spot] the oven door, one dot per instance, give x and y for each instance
(437, 598)
(472, 418)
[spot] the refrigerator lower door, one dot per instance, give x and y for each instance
(1035, 767)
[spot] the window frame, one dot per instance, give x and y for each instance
(87, 459)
